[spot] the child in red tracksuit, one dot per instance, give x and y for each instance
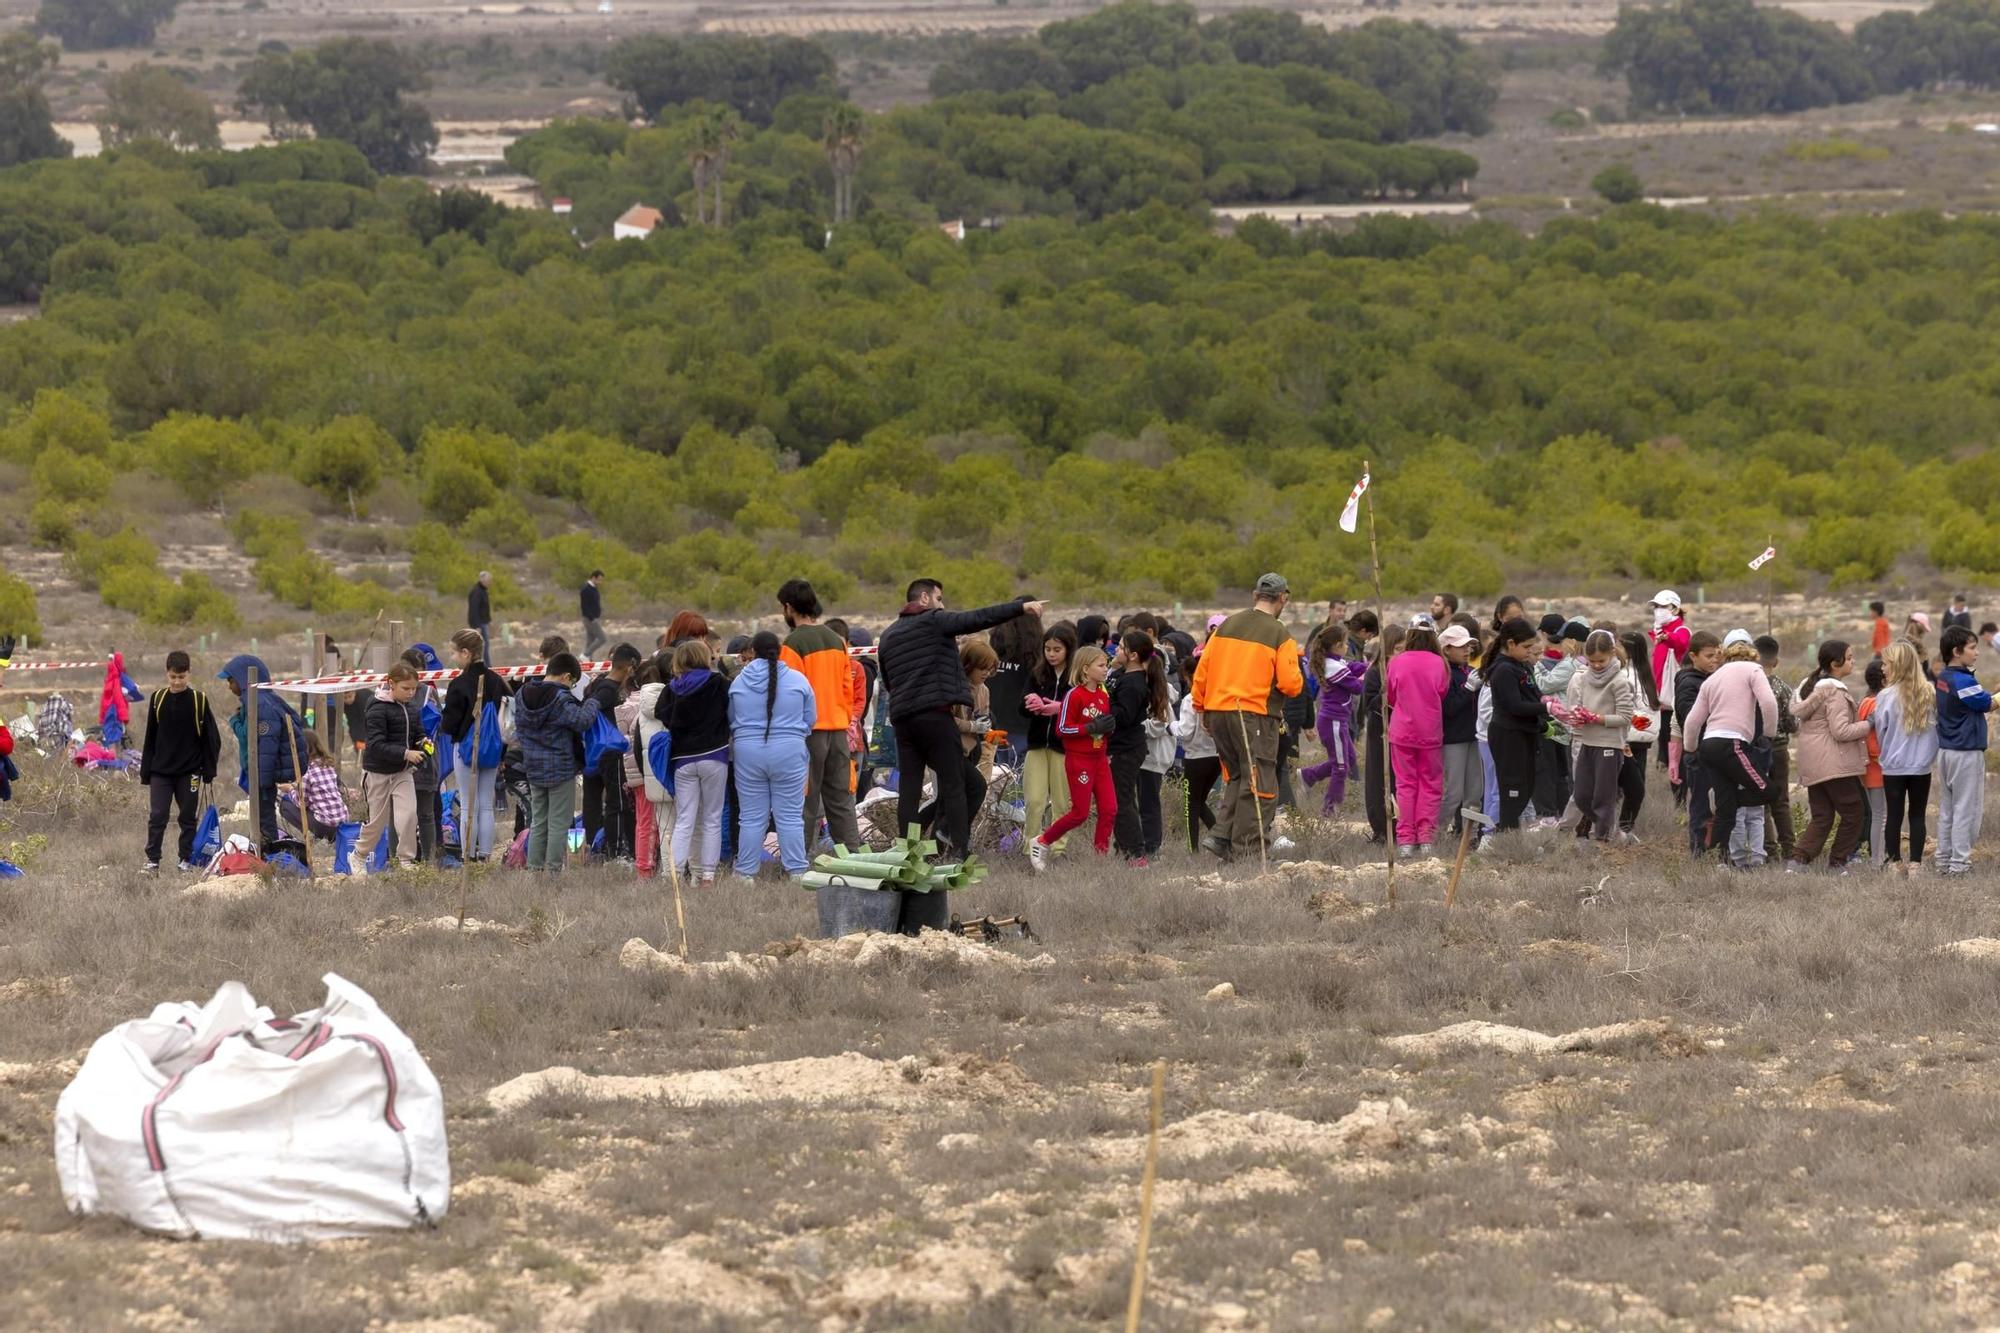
(1084, 724)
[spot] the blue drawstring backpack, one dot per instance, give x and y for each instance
(208, 835)
(491, 744)
(8, 870)
(344, 839)
(284, 863)
(660, 759)
(603, 738)
(379, 862)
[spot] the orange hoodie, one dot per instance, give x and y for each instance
(818, 654)
(1249, 659)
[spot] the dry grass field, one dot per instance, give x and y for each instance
(1715, 1101)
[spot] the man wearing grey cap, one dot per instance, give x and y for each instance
(1248, 661)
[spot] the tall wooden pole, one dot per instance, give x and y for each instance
(250, 765)
(1770, 578)
(1382, 667)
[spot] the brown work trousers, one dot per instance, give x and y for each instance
(1249, 776)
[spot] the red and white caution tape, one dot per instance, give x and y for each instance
(355, 680)
(55, 666)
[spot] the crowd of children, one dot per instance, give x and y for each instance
(753, 756)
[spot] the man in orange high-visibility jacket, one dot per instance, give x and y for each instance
(820, 655)
(1247, 663)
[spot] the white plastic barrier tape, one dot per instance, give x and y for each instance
(98, 665)
(354, 680)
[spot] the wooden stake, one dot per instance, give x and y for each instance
(468, 819)
(299, 794)
(674, 874)
(1770, 579)
(1458, 866)
(251, 768)
(1382, 668)
(1256, 800)
(1138, 1300)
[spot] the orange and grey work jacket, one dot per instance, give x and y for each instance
(1249, 659)
(820, 655)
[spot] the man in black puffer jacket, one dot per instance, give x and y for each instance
(921, 671)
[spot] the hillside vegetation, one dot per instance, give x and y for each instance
(1132, 408)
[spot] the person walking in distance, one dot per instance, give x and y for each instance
(479, 612)
(925, 680)
(591, 601)
(820, 655)
(1248, 659)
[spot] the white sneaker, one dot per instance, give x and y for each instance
(1283, 845)
(186, 867)
(1038, 855)
(150, 868)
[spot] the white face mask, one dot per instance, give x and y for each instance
(1661, 615)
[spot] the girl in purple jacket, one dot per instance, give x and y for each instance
(1340, 680)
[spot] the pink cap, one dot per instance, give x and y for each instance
(1922, 619)
(1216, 620)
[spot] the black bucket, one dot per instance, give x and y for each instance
(847, 910)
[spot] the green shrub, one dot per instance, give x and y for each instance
(1618, 184)
(134, 588)
(19, 614)
(343, 460)
(202, 455)
(92, 556)
(71, 478)
(503, 525)
(568, 559)
(53, 523)
(454, 487)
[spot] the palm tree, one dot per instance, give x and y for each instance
(719, 130)
(701, 161)
(841, 137)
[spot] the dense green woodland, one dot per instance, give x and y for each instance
(1136, 103)
(1698, 57)
(1127, 408)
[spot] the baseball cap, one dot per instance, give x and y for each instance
(1666, 597)
(1215, 621)
(737, 644)
(1551, 626)
(1273, 585)
(859, 637)
(1577, 630)
(1923, 619)
(1454, 636)
(1422, 620)
(1737, 636)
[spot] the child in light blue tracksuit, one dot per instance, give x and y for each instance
(1962, 706)
(771, 713)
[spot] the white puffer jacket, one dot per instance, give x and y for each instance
(649, 727)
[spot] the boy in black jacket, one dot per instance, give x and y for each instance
(178, 756)
(1703, 657)
(394, 749)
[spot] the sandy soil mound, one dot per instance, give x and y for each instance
(385, 927)
(1372, 1129)
(860, 951)
(1980, 947)
(1371, 877)
(1657, 1034)
(849, 1076)
(35, 988)
(1570, 951)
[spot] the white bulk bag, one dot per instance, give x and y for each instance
(222, 1121)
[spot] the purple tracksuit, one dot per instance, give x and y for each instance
(1338, 688)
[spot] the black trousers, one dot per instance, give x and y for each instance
(1375, 779)
(931, 740)
(1632, 785)
(1913, 792)
(1202, 775)
(1514, 754)
(1127, 832)
(975, 796)
(1151, 833)
(604, 809)
(1734, 781)
(1552, 783)
(184, 792)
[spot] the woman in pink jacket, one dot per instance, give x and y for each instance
(1414, 689)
